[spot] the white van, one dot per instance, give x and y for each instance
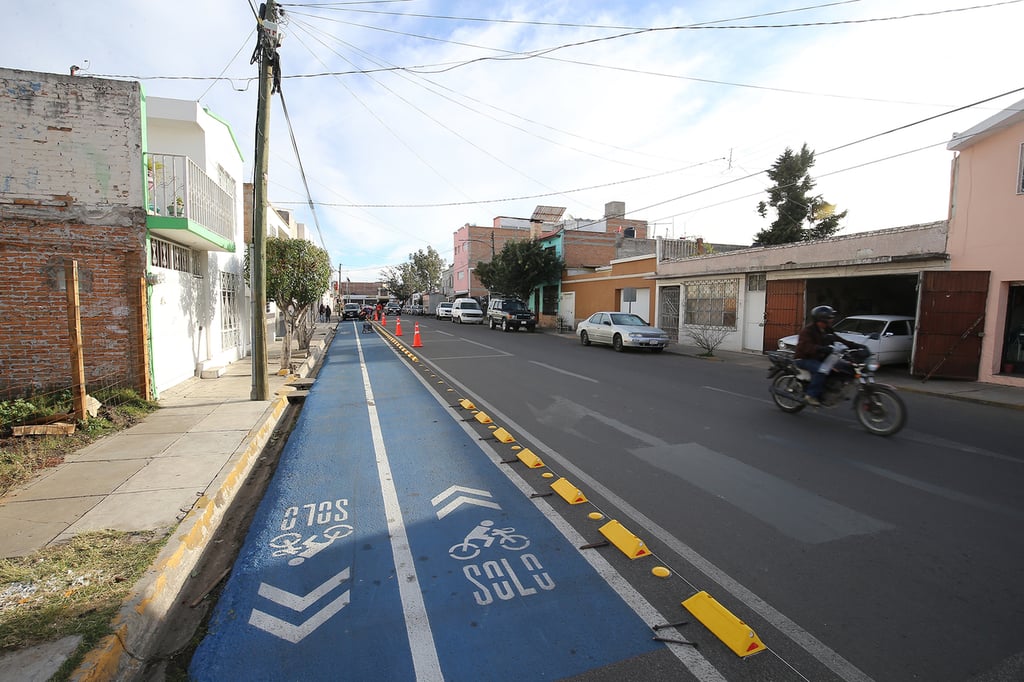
(467, 311)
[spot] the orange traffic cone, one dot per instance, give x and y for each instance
(416, 343)
(376, 316)
(398, 326)
(384, 320)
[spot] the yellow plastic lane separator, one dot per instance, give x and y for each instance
(503, 436)
(466, 404)
(733, 632)
(568, 491)
(531, 460)
(629, 544)
(482, 418)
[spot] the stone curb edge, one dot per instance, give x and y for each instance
(123, 655)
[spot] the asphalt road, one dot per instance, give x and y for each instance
(853, 557)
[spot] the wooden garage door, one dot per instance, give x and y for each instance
(950, 322)
(784, 310)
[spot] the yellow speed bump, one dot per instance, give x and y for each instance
(482, 418)
(503, 435)
(568, 491)
(531, 460)
(629, 544)
(466, 404)
(733, 632)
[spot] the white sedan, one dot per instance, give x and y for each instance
(889, 337)
(620, 331)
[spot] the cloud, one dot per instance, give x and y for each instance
(555, 124)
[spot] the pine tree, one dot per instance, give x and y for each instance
(799, 215)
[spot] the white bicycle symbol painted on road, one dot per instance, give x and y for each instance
(301, 549)
(483, 536)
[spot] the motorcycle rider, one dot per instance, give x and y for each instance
(813, 346)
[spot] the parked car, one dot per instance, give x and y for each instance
(510, 314)
(889, 337)
(467, 311)
(393, 309)
(350, 311)
(621, 331)
(444, 310)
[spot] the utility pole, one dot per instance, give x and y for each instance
(267, 37)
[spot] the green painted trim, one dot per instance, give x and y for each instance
(163, 222)
(227, 125)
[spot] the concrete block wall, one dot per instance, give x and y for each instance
(70, 188)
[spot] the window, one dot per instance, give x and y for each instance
(668, 316)
(756, 281)
(549, 306)
(230, 327)
(165, 254)
(711, 303)
(1020, 172)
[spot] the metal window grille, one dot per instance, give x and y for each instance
(164, 254)
(230, 334)
(711, 303)
(756, 281)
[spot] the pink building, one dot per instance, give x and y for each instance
(986, 235)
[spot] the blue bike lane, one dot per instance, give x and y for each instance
(388, 546)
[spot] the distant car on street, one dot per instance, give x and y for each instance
(467, 311)
(621, 331)
(510, 314)
(889, 337)
(350, 311)
(392, 309)
(444, 310)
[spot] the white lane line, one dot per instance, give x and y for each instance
(484, 345)
(701, 668)
(562, 371)
(738, 395)
(417, 623)
(808, 642)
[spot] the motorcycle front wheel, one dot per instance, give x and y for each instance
(788, 393)
(880, 410)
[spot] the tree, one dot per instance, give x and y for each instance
(400, 281)
(427, 268)
(800, 216)
(298, 274)
(519, 268)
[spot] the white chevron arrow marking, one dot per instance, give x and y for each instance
(297, 602)
(461, 500)
(296, 633)
(459, 489)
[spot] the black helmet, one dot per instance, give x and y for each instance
(823, 312)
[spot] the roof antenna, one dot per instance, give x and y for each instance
(75, 68)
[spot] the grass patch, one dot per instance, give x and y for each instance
(71, 589)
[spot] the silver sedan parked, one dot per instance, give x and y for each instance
(620, 331)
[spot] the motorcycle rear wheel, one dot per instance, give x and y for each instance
(880, 411)
(788, 393)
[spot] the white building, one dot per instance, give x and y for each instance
(198, 308)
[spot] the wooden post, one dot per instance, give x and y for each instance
(75, 339)
(143, 369)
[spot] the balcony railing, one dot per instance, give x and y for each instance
(179, 188)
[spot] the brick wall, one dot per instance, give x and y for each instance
(70, 188)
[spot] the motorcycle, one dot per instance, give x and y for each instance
(878, 407)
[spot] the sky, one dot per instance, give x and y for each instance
(413, 118)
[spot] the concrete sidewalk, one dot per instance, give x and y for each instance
(175, 471)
